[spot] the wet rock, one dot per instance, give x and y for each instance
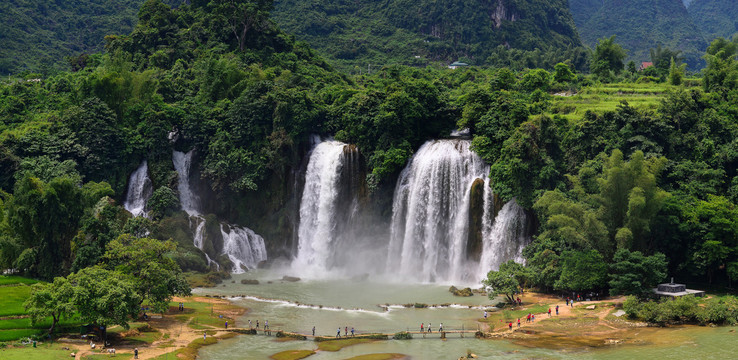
(249, 282)
(461, 292)
(290, 278)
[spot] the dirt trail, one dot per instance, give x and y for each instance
(179, 335)
(531, 300)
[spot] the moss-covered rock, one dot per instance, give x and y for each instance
(475, 242)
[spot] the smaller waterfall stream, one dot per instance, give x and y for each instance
(505, 238)
(243, 246)
(139, 191)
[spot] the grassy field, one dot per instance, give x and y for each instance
(606, 97)
(12, 298)
(42, 352)
(14, 323)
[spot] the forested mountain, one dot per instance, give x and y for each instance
(39, 35)
(640, 25)
(715, 17)
(356, 34)
(221, 80)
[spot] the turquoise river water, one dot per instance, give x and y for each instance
(376, 306)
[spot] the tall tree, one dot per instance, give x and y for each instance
(244, 16)
(608, 56)
(50, 299)
(155, 275)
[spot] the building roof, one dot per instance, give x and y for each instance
(681, 293)
(457, 63)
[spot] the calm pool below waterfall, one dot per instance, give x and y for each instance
(329, 304)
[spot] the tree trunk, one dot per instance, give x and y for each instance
(53, 323)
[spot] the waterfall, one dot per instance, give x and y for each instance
(243, 246)
(189, 200)
(430, 212)
(505, 239)
(139, 191)
(327, 207)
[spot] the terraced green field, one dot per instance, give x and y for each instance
(606, 97)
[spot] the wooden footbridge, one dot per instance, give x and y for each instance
(376, 335)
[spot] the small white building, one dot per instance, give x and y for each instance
(457, 64)
(676, 290)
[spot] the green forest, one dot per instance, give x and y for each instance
(622, 196)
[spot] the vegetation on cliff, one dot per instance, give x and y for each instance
(608, 186)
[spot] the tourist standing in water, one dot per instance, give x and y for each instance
(352, 331)
(313, 330)
(338, 333)
(345, 331)
(440, 328)
(421, 327)
(429, 327)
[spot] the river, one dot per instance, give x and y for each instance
(376, 305)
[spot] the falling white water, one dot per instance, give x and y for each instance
(139, 191)
(189, 200)
(505, 239)
(316, 234)
(430, 213)
(243, 246)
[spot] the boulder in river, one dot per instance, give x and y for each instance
(461, 292)
(249, 282)
(290, 278)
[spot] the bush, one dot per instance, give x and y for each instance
(163, 202)
(402, 335)
(723, 311)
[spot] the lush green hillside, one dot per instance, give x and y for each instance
(715, 18)
(39, 35)
(609, 184)
(356, 34)
(639, 26)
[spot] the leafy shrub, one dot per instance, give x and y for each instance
(402, 335)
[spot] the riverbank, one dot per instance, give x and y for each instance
(173, 334)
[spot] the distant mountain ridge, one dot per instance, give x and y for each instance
(715, 18)
(358, 32)
(640, 25)
(38, 35)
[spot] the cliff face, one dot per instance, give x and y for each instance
(640, 25)
(414, 31)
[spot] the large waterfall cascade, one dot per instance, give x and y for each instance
(243, 246)
(431, 223)
(139, 191)
(327, 208)
(430, 212)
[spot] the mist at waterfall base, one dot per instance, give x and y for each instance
(426, 239)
